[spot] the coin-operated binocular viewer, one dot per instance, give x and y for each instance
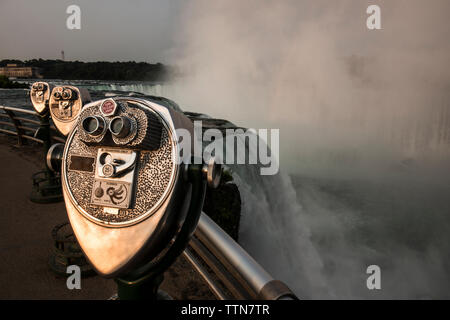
(64, 104)
(40, 96)
(132, 204)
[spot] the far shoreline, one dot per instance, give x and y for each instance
(90, 71)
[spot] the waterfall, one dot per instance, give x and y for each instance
(148, 89)
(273, 229)
(319, 235)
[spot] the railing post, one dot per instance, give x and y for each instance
(17, 125)
(46, 183)
(45, 133)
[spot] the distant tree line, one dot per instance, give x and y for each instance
(102, 70)
(5, 83)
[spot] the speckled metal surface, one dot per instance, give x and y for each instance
(155, 170)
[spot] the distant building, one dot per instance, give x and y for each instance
(15, 71)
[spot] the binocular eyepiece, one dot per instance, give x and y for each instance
(38, 86)
(57, 95)
(93, 125)
(120, 126)
(64, 94)
(120, 123)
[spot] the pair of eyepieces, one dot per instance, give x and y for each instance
(38, 86)
(119, 126)
(65, 94)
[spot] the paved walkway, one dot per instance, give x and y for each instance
(25, 241)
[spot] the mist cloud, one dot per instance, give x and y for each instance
(313, 69)
(350, 103)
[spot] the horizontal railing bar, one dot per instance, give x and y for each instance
(27, 120)
(27, 128)
(19, 110)
(8, 131)
(23, 135)
(227, 278)
(62, 140)
(18, 118)
(231, 254)
(32, 138)
(5, 123)
(204, 274)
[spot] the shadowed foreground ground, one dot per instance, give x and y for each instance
(25, 240)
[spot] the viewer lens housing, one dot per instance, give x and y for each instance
(93, 125)
(120, 126)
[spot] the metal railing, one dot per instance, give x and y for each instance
(233, 273)
(229, 271)
(26, 125)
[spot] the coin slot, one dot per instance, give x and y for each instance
(79, 163)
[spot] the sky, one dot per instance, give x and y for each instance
(113, 30)
(146, 30)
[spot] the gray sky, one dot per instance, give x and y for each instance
(140, 30)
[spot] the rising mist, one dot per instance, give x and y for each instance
(364, 119)
(338, 91)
